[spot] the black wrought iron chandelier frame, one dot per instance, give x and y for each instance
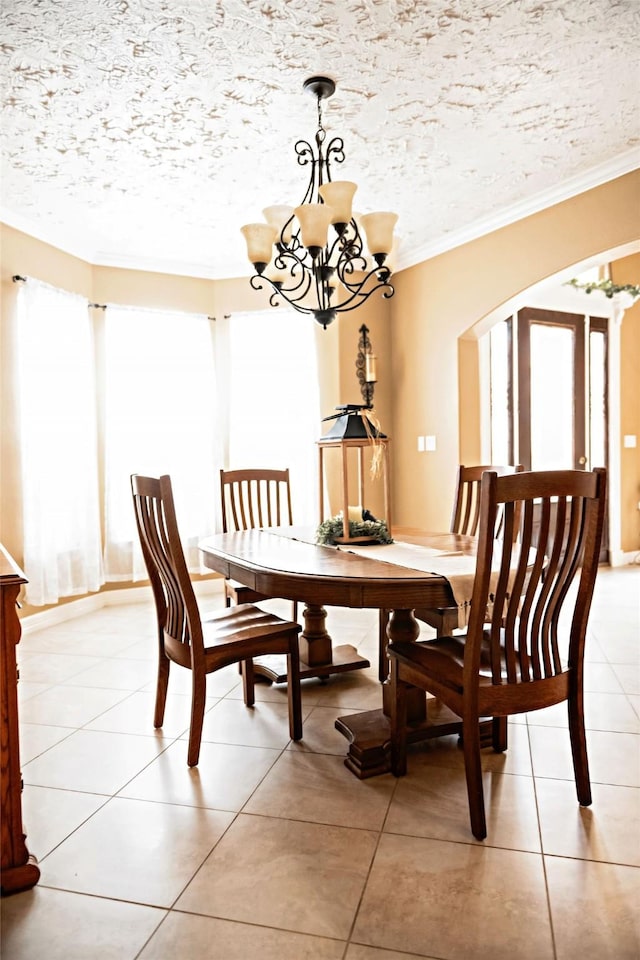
(341, 260)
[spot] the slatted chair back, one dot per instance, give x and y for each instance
(176, 605)
(525, 600)
(255, 498)
(466, 503)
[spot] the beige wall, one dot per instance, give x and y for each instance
(628, 271)
(428, 370)
(439, 300)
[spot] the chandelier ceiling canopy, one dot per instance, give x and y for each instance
(314, 255)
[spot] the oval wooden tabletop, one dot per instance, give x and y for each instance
(286, 562)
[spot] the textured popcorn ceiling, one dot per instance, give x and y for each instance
(144, 133)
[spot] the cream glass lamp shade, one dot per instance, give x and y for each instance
(314, 220)
(260, 239)
(277, 217)
(339, 195)
(378, 228)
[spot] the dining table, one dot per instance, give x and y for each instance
(288, 563)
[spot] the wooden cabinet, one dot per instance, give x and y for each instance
(18, 869)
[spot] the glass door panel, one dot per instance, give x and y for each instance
(597, 399)
(552, 392)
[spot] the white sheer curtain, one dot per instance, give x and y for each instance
(58, 444)
(161, 417)
(274, 400)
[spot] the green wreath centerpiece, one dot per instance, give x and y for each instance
(371, 529)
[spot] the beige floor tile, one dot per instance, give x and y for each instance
(613, 757)
(304, 877)
(431, 801)
(602, 711)
(620, 644)
(224, 779)
(118, 674)
(69, 706)
(607, 830)
(26, 691)
(56, 925)
(355, 691)
(634, 700)
(447, 751)
(356, 951)
(38, 667)
(205, 938)
(135, 715)
(601, 678)
(455, 901)
(629, 677)
(136, 850)
(49, 816)
(265, 724)
(320, 734)
(219, 684)
(92, 761)
(320, 789)
(36, 738)
(594, 907)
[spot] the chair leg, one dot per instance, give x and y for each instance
(499, 736)
(579, 749)
(248, 682)
(398, 722)
(198, 698)
(473, 773)
(294, 695)
(164, 665)
(383, 659)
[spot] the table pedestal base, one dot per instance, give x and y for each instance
(369, 736)
(344, 658)
(318, 656)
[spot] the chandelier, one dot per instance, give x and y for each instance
(313, 256)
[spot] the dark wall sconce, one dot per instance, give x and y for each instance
(366, 367)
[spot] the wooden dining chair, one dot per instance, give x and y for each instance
(250, 499)
(235, 635)
(464, 520)
(524, 646)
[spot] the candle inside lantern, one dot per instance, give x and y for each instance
(370, 373)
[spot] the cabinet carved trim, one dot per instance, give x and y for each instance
(18, 868)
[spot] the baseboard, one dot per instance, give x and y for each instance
(622, 558)
(107, 598)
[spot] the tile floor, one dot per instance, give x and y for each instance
(274, 850)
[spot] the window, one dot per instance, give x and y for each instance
(274, 403)
(58, 444)
(161, 417)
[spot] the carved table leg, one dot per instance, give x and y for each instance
(318, 656)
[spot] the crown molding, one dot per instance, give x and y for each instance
(68, 242)
(622, 164)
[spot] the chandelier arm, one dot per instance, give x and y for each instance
(360, 297)
(258, 282)
(334, 153)
(280, 263)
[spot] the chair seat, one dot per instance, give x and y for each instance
(243, 622)
(444, 657)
